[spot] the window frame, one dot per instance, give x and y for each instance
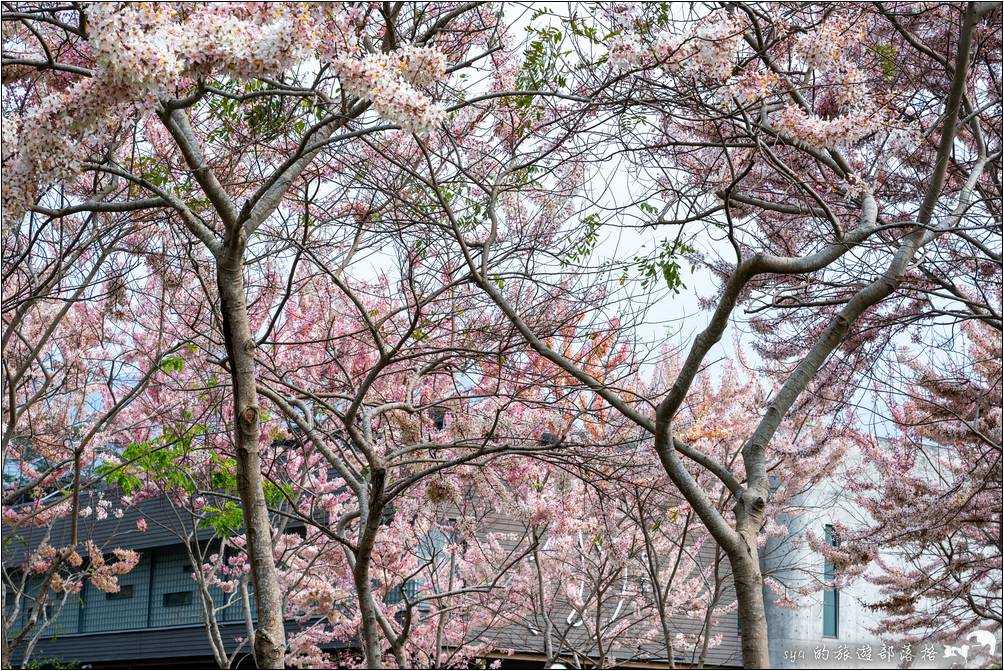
(831, 596)
(125, 592)
(185, 602)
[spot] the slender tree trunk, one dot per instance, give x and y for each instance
(246, 609)
(709, 613)
(441, 624)
(211, 624)
(369, 626)
(4, 651)
(745, 560)
(41, 630)
(270, 635)
(548, 627)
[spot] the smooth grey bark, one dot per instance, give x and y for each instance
(209, 621)
(270, 634)
(754, 637)
(549, 656)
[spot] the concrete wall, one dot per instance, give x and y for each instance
(797, 639)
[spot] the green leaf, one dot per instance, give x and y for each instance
(887, 59)
(224, 520)
(172, 364)
(664, 264)
(589, 241)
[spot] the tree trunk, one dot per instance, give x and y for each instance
(368, 625)
(709, 612)
(270, 634)
(749, 594)
(4, 654)
(748, 580)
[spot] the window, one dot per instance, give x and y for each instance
(831, 597)
(177, 599)
(410, 588)
(125, 592)
(433, 558)
(439, 418)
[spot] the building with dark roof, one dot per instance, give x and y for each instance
(156, 619)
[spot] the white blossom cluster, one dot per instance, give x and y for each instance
(143, 50)
(851, 114)
(707, 49)
(815, 132)
(144, 45)
(389, 81)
